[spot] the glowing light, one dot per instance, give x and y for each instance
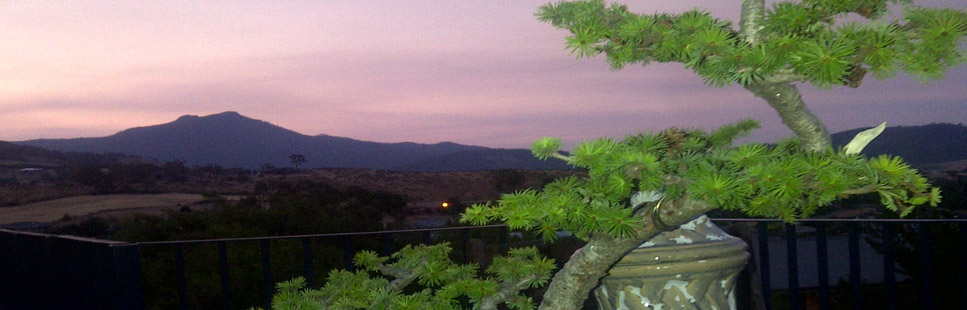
(445, 205)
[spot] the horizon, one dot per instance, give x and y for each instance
(485, 74)
(961, 124)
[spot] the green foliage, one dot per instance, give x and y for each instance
(546, 147)
(522, 264)
(423, 278)
(780, 181)
(798, 41)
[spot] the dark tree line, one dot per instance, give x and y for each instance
(274, 209)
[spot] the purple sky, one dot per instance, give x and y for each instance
(474, 72)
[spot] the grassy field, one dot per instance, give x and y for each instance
(49, 211)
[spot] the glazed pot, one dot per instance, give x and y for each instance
(692, 267)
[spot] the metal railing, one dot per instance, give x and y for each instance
(39, 271)
(52, 272)
(387, 239)
(917, 242)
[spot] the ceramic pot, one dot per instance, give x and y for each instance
(692, 267)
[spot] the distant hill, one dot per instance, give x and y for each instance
(231, 140)
(489, 159)
(23, 156)
(918, 145)
(20, 153)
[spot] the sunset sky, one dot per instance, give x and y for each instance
(473, 72)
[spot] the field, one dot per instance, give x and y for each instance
(52, 210)
(421, 189)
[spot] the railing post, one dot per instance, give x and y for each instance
(792, 264)
(387, 244)
(464, 239)
(926, 260)
(963, 264)
(889, 266)
(855, 279)
(267, 273)
(763, 232)
(127, 273)
(180, 266)
(822, 262)
(347, 251)
(307, 258)
(426, 237)
(223, 272)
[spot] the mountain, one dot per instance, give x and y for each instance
(231, 140)
(15, 156)
(26, 156)
(918, 145)
(488, 159)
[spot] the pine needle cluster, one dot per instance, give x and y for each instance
(768, 51)
(780, 181)
(798, 41)
(422, 277)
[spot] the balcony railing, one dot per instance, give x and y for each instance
(816, 264)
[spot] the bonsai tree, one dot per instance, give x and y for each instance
(647, 183)
(693, 172)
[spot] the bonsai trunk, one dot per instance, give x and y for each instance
(786, 99)
(582, 272)
(781, 94)
(572, 284)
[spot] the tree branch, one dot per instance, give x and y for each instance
(582, 272)
(403, 277)
(858, 191)
(753, 13)
(787, 101)
(507, 289)
(786, 76)
(777, 89)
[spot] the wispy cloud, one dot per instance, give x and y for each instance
(426, 71)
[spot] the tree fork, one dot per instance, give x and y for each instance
(783, 97)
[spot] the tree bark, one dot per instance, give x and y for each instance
(507, 290)
(780, 93)
(753, 12)
(582, 272)
(786, 99)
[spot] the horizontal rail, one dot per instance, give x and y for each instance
(738, 219)
(116, 243)
(68, 237)
(381, 232)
